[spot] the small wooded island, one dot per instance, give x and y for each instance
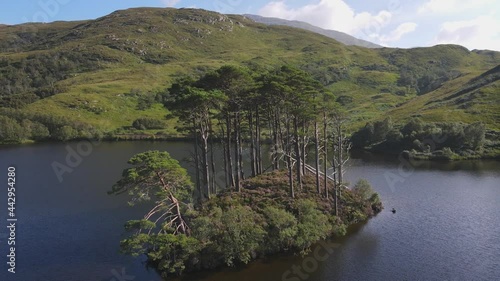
(232, 227)
(228, 219)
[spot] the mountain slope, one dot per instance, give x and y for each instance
(337, 35)
(96, 71)
(469, 98)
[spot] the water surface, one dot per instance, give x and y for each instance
(446, 227)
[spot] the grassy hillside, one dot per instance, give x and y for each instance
(95, 71)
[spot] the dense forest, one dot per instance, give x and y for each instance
(424, 141)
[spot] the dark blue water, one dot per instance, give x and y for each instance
(446, 227)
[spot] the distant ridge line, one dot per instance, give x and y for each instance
(342, 37)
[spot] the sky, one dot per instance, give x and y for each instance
(474, 24)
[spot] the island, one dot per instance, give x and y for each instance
(185, 233)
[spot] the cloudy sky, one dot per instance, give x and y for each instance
(474, 24)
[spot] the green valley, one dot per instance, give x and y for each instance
(99, 76)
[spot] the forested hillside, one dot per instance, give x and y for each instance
(87, 78)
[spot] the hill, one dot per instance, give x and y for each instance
(97, 72)
(337, 35)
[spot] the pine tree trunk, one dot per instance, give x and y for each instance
(341, 161)
(197, 160)
(236, 155)
(316, 139)
(335, 186)
(276, 145)
(297, 154)
(240, 149)
(224, 152)
(253, 162)
(280, 140)
(325, 155)
(289, 161)
(257, 137)
(304, 148)
(212, 159)
(206, 174)
(228, 146)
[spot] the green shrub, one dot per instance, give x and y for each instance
(231, 236)
(281, 228)
(364, 189)
(11, 131)
(65, 133)
(37, 131)
(146, 101)
(148, 124)
(313, 224)
(475, 135)
(172, 253)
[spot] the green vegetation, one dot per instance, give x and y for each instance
(231, 227)
(438, 140)
(20, 127)
(284, 106)
(236, 220)
(104, 74)
(148, 124)
(11, 130)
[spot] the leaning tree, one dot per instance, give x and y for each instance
(156, 176)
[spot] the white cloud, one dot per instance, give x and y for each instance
(399, 32)
(170, 3)
(452, 6)
(474, 24)
(482, 32)
(331, 14)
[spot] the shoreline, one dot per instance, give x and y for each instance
(431, 156)
(331, 242)
(407, 155)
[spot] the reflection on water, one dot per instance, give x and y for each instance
(446, 226)
(473, 166)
